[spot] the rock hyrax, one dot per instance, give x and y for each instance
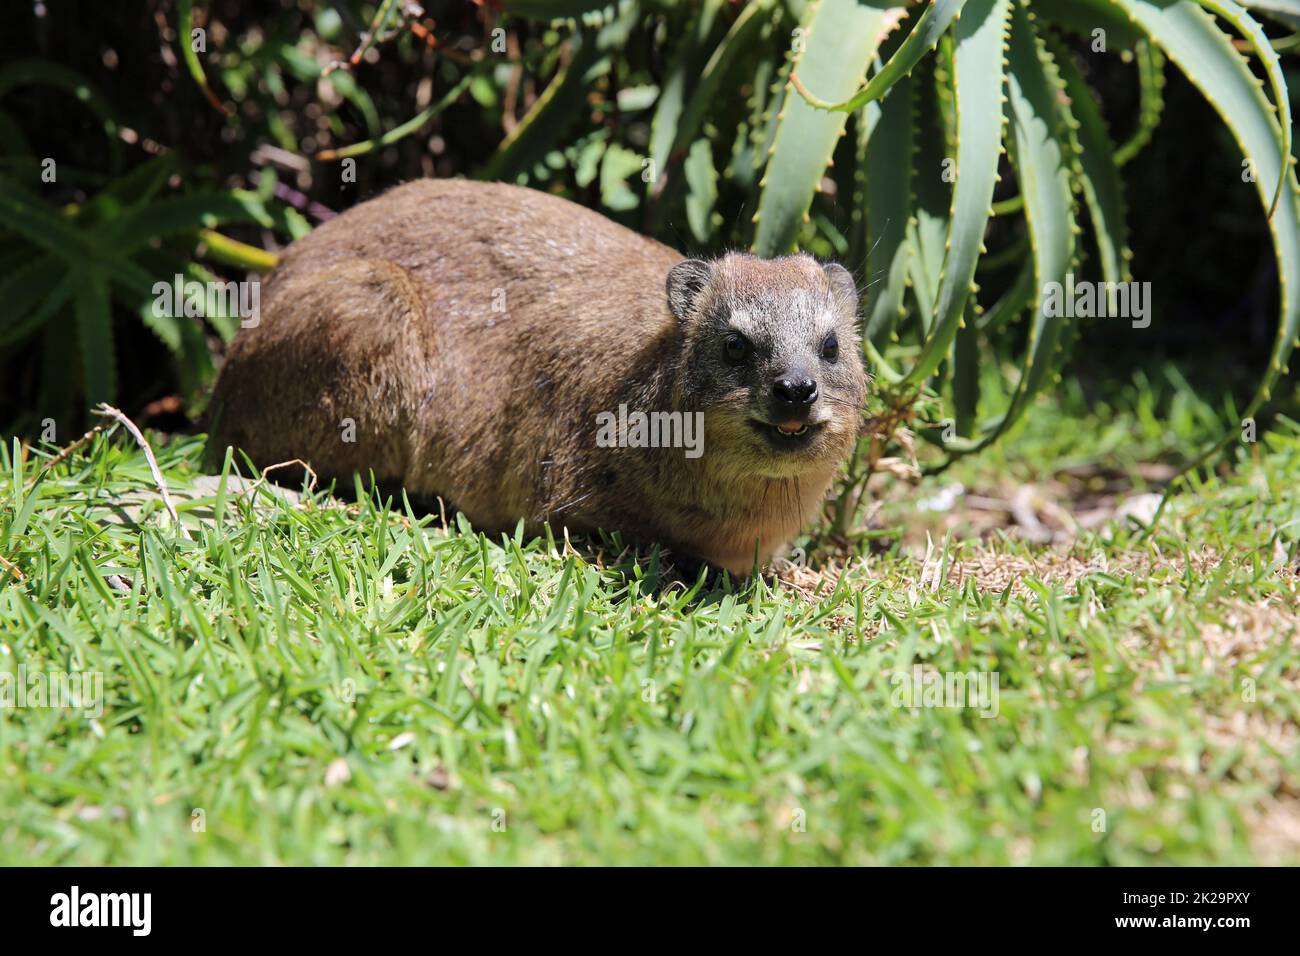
(515, 354)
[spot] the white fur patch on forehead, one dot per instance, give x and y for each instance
(743, 321)
(765, 294)
(801, 301)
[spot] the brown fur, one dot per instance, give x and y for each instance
(386, 316)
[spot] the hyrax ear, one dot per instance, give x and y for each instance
(842, 285)
(686, 281)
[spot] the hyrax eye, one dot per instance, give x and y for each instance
(735, 348)
(831, 348)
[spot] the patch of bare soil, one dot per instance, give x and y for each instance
(1050, 511)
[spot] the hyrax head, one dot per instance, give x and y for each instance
(772, 357)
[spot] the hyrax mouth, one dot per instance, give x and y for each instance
(786, 436)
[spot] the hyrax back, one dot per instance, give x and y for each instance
(467, 340)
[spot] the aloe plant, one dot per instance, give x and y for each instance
(66, 270)
(943, 99)
(930, 145)
(1059, 150)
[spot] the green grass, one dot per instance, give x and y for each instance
(352, 684)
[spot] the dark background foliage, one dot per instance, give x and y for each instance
(1197, 237)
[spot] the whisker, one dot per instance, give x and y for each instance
(840, 402)
(575, 501)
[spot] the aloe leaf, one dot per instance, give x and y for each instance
(194, 358)
(232, 252)
(307, 69)
(1014, 300)
(184, 30)
(179, 215)
(966, 376)
(841, 39)
(185, 338)
(934, 20)
(15, 254)
(673, 89)
(1097, 171)
(225, 323)
(765, 133)
(1151, 86)
(936, 139)
(553, 9)
(927, 231)
(864, 123)
(171, 330)
(1248, 27)
(551, 115)
(32, 220)
(95, 337)
(54, 393)
(12, 140)
(746, 26)
(1094, 19)
(617, 165)
(1284, 11)
(1042, 168)
(945, 91)
(1042, 163)
(43, 73)
(687, 93)
(167, 328)
(194, 361)
(54, 234)
(702, 190)
(24, 286)
(402, 130)
(133, 189)
(888, 191)
(348, 88)
(32, 296)
(979, 77)
(1192, 40)
(743, 169)
(142, 300)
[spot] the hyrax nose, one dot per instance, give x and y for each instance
(794, 390)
